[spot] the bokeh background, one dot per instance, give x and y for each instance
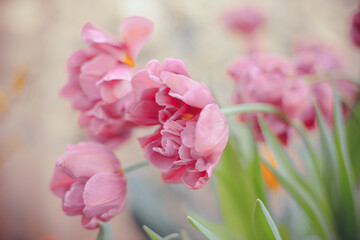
(36, 39)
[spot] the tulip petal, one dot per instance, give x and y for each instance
(73, 201)
(135, 32)
(212, 132)
(103, 192)
(195, 180)
(94, 35)
(187, 90)
(85, 159)
(175, 66)
(60, 182)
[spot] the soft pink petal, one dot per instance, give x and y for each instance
(195, 180)
(142, 81)
(99, 65)
(175, 66)
(154, 68)
(93, 35)
(212, 131)
(174, 175)
(73, 201)
(193, 93)
(164, 163)
(90, 222)
(85, 159)
(135, 32)
(145, 113)
(60, 182)
(116, 85)
(104, 191)
(188, 135)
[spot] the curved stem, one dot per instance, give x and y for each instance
(136, 166)
(250, 107)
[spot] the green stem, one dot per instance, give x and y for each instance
(136, 166)
(250, 107)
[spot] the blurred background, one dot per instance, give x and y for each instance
(36, 39)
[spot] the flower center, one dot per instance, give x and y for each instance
(129, 61)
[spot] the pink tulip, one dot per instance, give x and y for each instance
(355, 28)
(193, 132)
(262, 78)
(316, 58)
(99, 79)
(89, 179)
(244, 20)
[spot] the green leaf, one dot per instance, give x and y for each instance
(306, 202)
(220, 229)
(311, 202)
(353, 139)
(263, 225)
(233, 182)
(347, 209)
(285, 163)
(105, 232)
(207, 233)
(152, 235)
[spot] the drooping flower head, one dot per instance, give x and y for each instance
(89, 179)
(193, 132)
(99, 79)
(355, 28)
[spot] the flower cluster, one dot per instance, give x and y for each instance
(290, 86)
(99, 79)
(113, 97)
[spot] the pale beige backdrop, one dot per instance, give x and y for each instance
(37, 37)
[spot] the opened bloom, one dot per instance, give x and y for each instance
(264, 78)
(99, 79)
(89, 180)
(193, 132)
(315, 58)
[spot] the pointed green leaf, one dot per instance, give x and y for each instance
(285, 163)
(233, 182)
(348, 210)
(319, 222)
(105, 232)
(353, 139)
(152, 235)
(207, 233)
(218, 228)
(263, 224)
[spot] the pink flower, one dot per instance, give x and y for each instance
(355, 28)
(193, 131)
(262, 78)
(244, 20)
(89, 179)
(99, 79)
(322, 93)
(316, 59)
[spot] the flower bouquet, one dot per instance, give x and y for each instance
(245, 149)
